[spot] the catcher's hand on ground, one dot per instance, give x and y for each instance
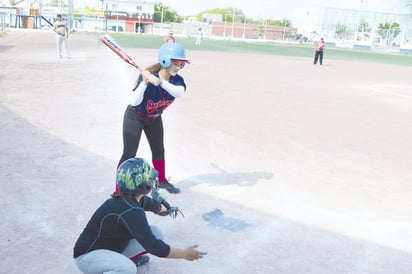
(172, 211)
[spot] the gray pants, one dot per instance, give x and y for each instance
(107, 261)
(61, 41)
(133, 126)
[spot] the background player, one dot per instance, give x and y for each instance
(320, 47)
(170, 38)
(62, 34)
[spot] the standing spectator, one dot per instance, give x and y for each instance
(62, 34)
(199, 36)
(170, 38)
(156, 89)
(320, 47)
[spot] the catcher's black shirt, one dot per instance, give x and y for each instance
(117, 221)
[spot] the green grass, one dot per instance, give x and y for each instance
(303, 50)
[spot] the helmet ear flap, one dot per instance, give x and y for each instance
(145, 187)
(165, 62)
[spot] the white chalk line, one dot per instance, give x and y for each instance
(393, 90)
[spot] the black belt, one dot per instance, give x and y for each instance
(151, 116)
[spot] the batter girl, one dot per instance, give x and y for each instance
(156, 89)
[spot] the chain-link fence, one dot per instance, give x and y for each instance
(339, 27)
(372, 29)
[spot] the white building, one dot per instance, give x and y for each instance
(352, 27)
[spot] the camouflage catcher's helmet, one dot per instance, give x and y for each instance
(136, 176)
(169, 52)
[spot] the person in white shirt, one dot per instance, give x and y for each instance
(62, 34)
(199, 36)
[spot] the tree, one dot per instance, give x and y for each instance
(364, 26)
(388, 31)
(163, 14)
(260, 32)
(282, 23)
(229, 14)
(340, 31)
(56, 3)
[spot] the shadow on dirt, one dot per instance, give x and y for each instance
(226, 178)
(49, 189)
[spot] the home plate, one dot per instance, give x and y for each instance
(217, 219)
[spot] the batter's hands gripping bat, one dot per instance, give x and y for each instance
(151, 78)
(111, 44)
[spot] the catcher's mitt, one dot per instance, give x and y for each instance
(172, 211)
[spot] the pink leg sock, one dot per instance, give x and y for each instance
(138, 255)
(159, 165)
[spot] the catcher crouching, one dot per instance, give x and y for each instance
(118, 235)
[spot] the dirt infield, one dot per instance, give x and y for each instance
(310, 165)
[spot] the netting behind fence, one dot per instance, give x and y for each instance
(365, 25)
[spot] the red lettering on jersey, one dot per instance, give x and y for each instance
(151, 107)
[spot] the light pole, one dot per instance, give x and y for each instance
(284, 29)
(387, 38)
(264, 29)
(105, 17)
(233, 21)
(244, 28)
(70, 15)
(139, 28)
(161, 19)
(410, 5)
(224, 27)
(116, 7)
